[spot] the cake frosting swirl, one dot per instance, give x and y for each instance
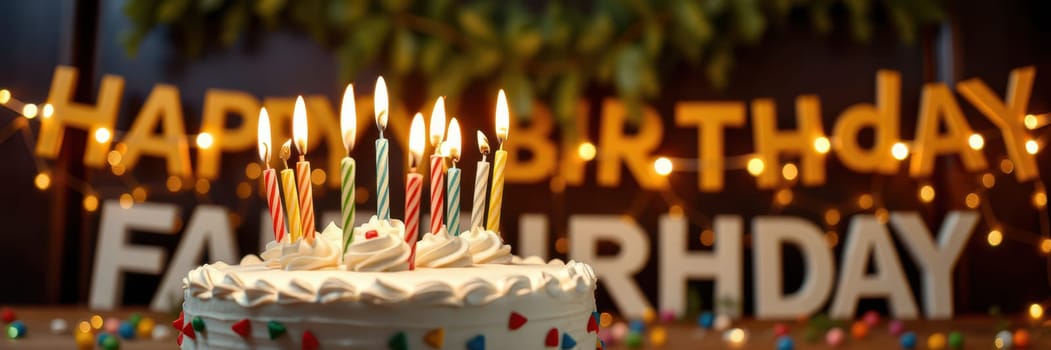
(443, 250)
(322, 253)
(487, 247)
(378, 246)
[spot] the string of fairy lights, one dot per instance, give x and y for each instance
(784, 196)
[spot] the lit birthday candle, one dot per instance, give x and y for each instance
(481, 184)
(306, 193)
(437, 166)
(348, 124)
(496, 196)
(273, 195)
(452, 206)
(380, 105)
(288, 184)
(413, 186)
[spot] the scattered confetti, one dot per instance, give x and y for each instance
(7, 315)
(619, 331)
(871, 318)
(936, 341)
(834, 337)
(896, 327)
(126, 330)
(112, 325)
(956, 340)
(908, 340)
(59, 326)
(668, 316)
(85, 341)
(706, 320)
(145, 327)
(637, 326)
(1021, 339)
(785, 343)
(1004, 340)
(859, 330)
(159, 333)
(633, 340)
(110, 343)
(649, 315)
(16, 330)
(658, 336)
(781, 329)
(722, 322)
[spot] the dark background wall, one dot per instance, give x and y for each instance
(55, 238)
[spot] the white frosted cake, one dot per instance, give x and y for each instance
(466, 292)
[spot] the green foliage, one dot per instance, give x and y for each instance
(552, 50)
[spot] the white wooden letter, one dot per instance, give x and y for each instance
(768, 235)
(113, 254)
(616, 272)
(678, 265)
(936, 261)
(867, 237)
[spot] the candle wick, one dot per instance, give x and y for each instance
(301, 158)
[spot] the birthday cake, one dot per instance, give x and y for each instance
(466, 292)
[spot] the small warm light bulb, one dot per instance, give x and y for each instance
(783, 197)
(1032, 147)
(205, 140)
(789, 171)
(1031, 122)
(995, 237)
(5, 95)
(865, 201)
(1036, 311)
(822, 145)
(29, 111)
(91, 203)
(663, 166)
(1039, 199)
(976, 141)
(756, 166)
(973, 200)
(900, 151)
(42, 181)
(1045, 245)
(927, 193)
(832, 216)
(586, 151)
(102, 135)
(126, 200)
(47, 111)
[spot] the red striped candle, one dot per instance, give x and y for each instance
(306, 199)
(437, 192)
(273, 201)
(413, 186)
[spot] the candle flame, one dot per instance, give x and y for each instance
(348, 119)
(503, 116)
(483, 143)
(286, 151)
(416, 140)
(264, 136)
(438, 122)
(452, 139)
(380, 105)
(299, 125)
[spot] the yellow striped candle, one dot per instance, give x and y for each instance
(496, 196)
(288, 187)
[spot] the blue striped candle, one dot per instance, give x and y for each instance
(452, 204)
(382, 180)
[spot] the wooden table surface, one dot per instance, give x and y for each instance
(978, 332)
